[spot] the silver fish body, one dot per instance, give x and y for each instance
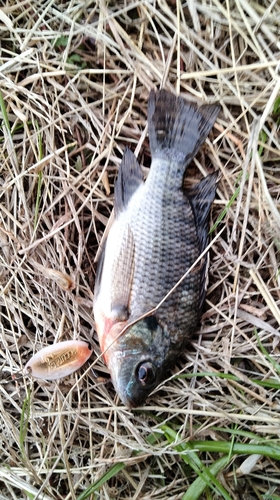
(159, 231)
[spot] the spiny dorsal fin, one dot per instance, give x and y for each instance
(130, 177)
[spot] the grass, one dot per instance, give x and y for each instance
(75, 80)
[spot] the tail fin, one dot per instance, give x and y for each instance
(177, 128)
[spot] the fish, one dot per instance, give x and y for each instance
(159, 231)
(59, 360)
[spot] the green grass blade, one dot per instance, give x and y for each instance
(29, 495)
(225, 210)
(272, 451)
(113, 471)
(198, 486)
(24, 422)
(269, 496)
(5, 114)
(269, 383)
(228, 205)
(206, 477)
(275, 365)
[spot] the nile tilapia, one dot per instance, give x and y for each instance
(159, 231)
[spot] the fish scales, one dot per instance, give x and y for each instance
(166, 245)
(158, 233)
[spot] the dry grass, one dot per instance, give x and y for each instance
(75, 80)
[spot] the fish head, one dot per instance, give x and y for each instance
(137, 360)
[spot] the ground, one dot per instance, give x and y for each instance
(75, 80)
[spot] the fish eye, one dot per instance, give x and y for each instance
(145, 373)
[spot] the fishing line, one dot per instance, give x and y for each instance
(155, 309)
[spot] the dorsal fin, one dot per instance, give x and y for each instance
(201, 198)
(130, 177)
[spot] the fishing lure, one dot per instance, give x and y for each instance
(59, 360)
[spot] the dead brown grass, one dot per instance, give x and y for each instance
(75, 79)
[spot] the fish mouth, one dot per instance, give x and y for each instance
(129, 402)
(121, 391)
